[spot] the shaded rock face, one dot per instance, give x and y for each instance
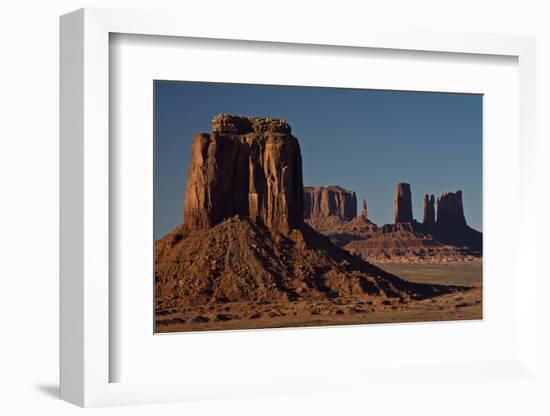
(328, 201)
(403, 203)
(450, 212)
(429, 209)
(451, 226)
(247, 166)
(364, 210)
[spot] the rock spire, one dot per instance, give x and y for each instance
(429, 209)
(403, 203)
(364, 210)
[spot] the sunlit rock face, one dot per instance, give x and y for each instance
(247, 166)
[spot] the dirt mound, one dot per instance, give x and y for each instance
(239, 260)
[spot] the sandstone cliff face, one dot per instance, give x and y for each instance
(429, 210)
(327, 201)
(450, 212)
(247, 166)
(403, 203)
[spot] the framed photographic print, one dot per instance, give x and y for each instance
(252, 249)
(245, 215)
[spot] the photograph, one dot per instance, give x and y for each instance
(294, 206)
(275, 208)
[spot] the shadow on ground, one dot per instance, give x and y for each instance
(51, 390)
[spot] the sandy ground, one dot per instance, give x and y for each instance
(248, 315)
(462, 274)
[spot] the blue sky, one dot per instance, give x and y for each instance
(363, 140)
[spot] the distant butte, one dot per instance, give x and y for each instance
(323, 201)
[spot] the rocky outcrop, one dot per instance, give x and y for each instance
(403, 203)
(247, 166)
(407, 243)
(364, 210)
(450, 212)
(328, 201)
(429, 210)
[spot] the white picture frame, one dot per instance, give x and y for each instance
(85, 215)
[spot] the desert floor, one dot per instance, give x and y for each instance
(248, 315)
